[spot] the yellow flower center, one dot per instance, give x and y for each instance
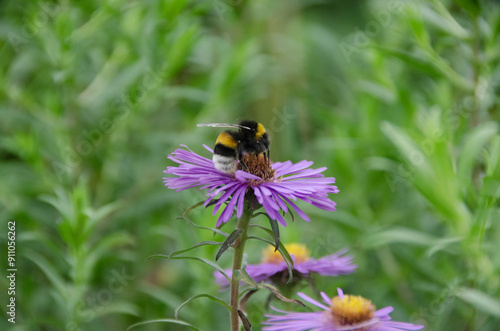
(298, 251)
(351, 309)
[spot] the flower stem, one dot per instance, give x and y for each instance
(239, 247)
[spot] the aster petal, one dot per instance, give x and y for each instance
(296, 321)
(290, 168)
(243, 176)
(224, 198)
(269, 194)
(384, 312)
(229, 187)
(308, 174)
(228, 211)
(326, 298)
(208, 148)
(269, 206)
(283, 206)
(397, 326)
(311, 300)
(331, 265)
(240, 196)
(324, 203)
(297, 210)
(278, 166)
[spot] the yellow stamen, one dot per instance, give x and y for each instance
(351, 309)
(298, 251)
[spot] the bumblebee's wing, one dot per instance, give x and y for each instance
(223, 125)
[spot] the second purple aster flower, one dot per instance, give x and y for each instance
(341, 313)
(274, 269)
(275, 186)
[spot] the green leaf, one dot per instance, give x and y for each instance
(196, 205)
(164, 320)
(472, 149)
(203, 243)
(244, 321)
(493, 159)
(165, 296)
(280, 296)
(211, 297)
(433, 175)
(96, 215)
(181, 44)
(442, 19)
(210, 263)
(275, 228)
(104, 247)
(243, 276)
(222, 233)
(49, 271)
(398, 235)
(442, 244)
(228, 242)
(120, 307)
(472, 6)
(429, 65)
(480, 300)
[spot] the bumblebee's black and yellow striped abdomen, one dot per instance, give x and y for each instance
(225, 152)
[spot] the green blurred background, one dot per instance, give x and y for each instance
(399, 99)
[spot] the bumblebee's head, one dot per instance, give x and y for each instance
(256, 134)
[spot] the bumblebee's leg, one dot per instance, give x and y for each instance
(268, 156)
(243, 164)
(239, 152)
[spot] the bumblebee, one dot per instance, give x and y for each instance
(230, 146)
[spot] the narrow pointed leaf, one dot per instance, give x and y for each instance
(211, 297)
(242, 275)
(473, 148)
(164, 320)
(244, 321)
(280, 296)
(203, 243)
(480, 300)
(210, 263)
(275, 228)
(50, 272)
(196, 205)
(120, 307)
(213, 202)
(228, 242)
(222, 233)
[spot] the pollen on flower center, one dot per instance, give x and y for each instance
(351, 309)
(298, 251)
(259, 166)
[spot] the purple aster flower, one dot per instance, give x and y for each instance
(275, 186)
(343, 312)
(274, 268)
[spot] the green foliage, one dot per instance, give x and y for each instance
(399, 99)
